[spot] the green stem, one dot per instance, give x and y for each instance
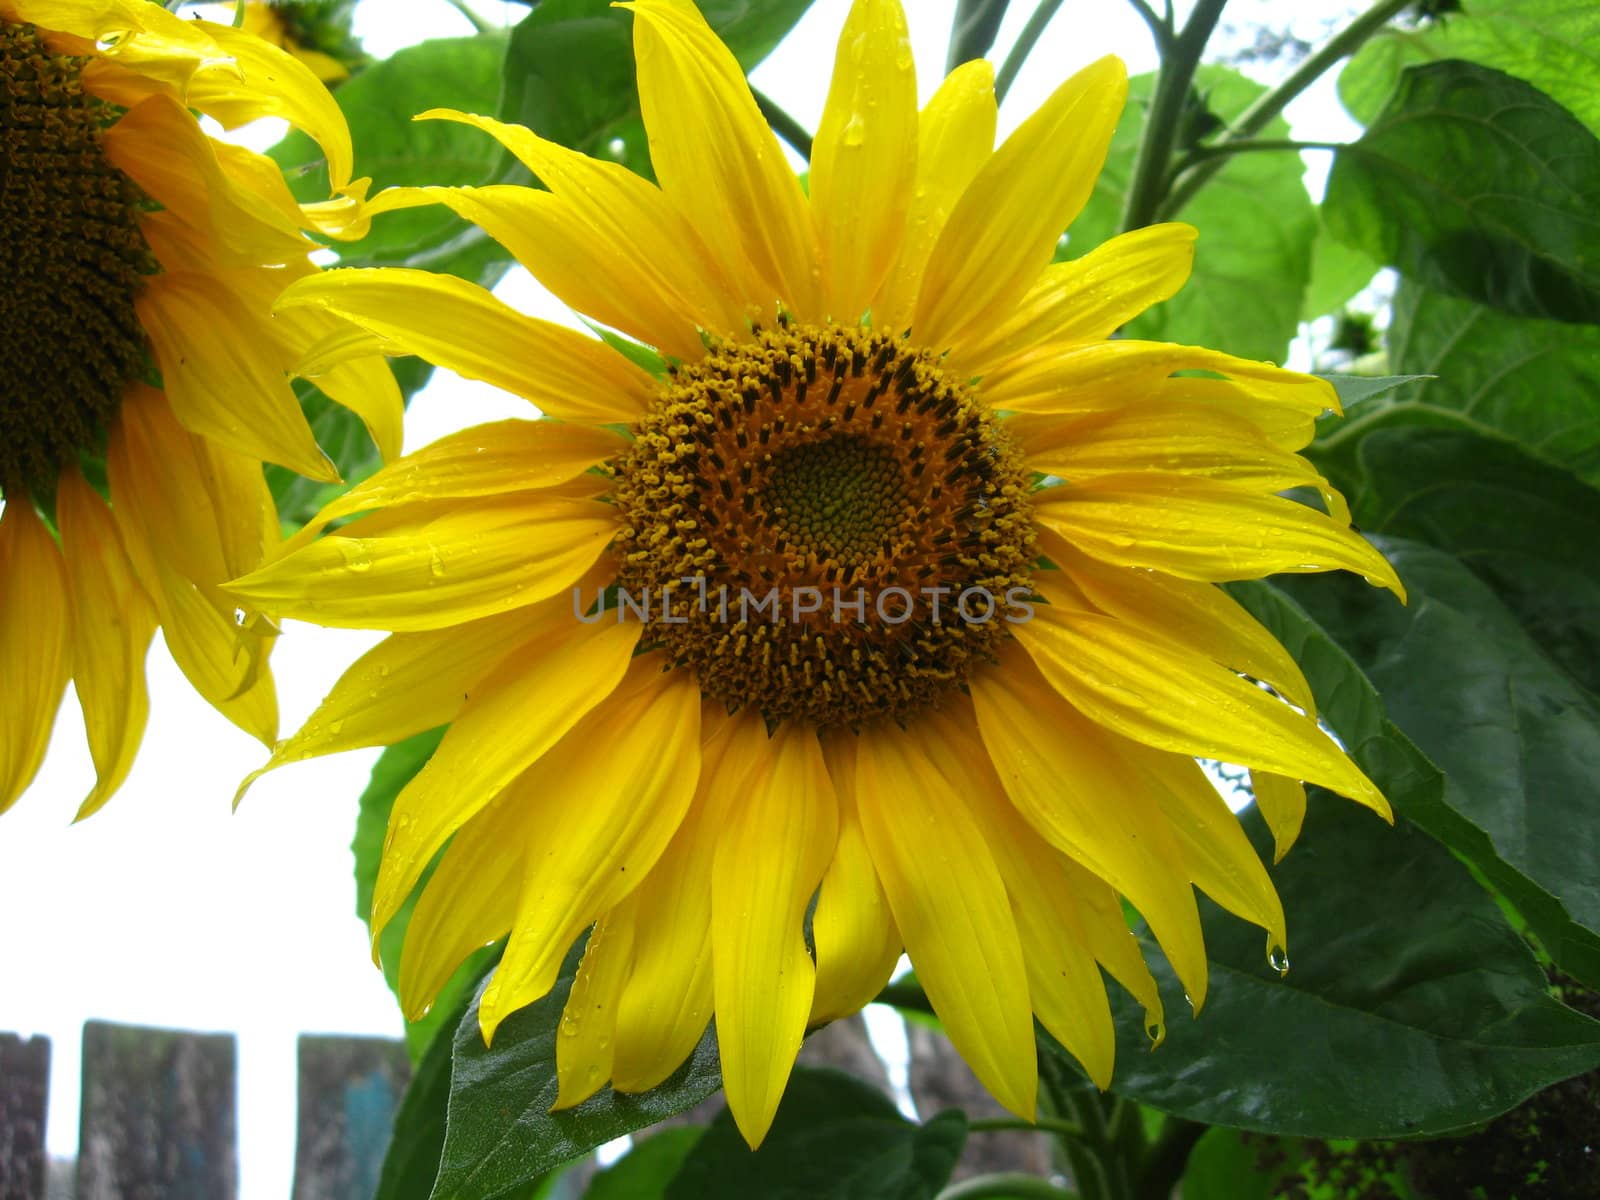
(1042, 1125)
(1160, 27)
(783, 124)
(478, 23)
(1026, 40)
(1256, 118)
(973, 32)
(904, 995)
(1251, 146)
(1009, 1185)
(1178, 63)
(1165, 1164)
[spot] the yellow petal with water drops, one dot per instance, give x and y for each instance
(1199, 616)
(864, 157)
(112, 624)
(1222, 862)
(1064, 776)
(1106, 933)
(35, 644)
(668, 1001)
(492, 459)
(1087, 299)
(1003, 231)
(1064, 983)
(857, 944)
(955, 137)
(361, 382)
(459, 326)
(261, 80)
(773, 849)
(1282, 803)
(588, 857)
(541, 690)
(1201, 529)
(1099, 375)
(720, 163)
(450, 564)
(108, 20)
(469, 902)
(220, 373)
(1161, 695)
(586, 1046)
(950, 905)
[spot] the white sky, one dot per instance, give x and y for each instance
(166, 910)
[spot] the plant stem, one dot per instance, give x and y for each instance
(1255, 118)
(973, 31)
(783, 124)
(1164, 1166)
(1251, 146)
(1160, 27)
(462, 7)
(1179, 59)
(904, 995)
(1042, 1125)
(1010, 1185)
(1026, 40)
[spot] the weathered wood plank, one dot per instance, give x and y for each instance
(24, 1092)
(349, 1090)
(158, 1118)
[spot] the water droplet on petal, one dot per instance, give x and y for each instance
(1279, 958)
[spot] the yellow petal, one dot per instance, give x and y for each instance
(1282, 802)
(1106, 932)
(1202, 529)
(864, 157)
(950, 905)
(112, 624)
(541, 690)
(720, 164)
(856, 940)
(436, 565)
(360, 382)
(1003, 231)
(1064, 984)
(493, 459)
(220, 375)
(588, 856)
(35, 646)
(668, 999)
(1158, 694)
(773, 849)
(955, 137)
(1068, 780)
(587, 1045)
(1087, 299)
(459, 326)
(1199, 616)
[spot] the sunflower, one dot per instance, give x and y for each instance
(145, 382)
(294, 27)
(905, 574)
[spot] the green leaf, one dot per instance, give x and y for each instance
(1412, 1008)
(1553, 44)
(1475, 183)
(1360, 389)
(1256, 224)
(412, 1160)
(834, 1138)
(393, 770)
(1338, 272)
(645, 1171)
(1223, 1167)
(1536, 383)
(500, 1133)
(569, 70)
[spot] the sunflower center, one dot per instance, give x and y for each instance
(820, 523)
(75, 259)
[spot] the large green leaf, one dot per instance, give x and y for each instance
(1338, 272)
(1553, 44)
(646, 1171)
(1256, 224)
(1412, 1008)
(1475, 183)
(412, 1161)
(834, 1138)
(569, 68)
(500, 1132)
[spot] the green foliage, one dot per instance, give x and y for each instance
(1256, 223)
(834, 1138)
(1477, 184)
(644, 1172)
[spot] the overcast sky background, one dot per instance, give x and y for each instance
(166, 910)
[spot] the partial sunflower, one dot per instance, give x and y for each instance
(906, 576)
(145, 377)
(307, 29)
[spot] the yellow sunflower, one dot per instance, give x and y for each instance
(905, 572)
(275, 22)
(145, 377)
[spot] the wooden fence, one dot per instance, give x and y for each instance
(157, 1116)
